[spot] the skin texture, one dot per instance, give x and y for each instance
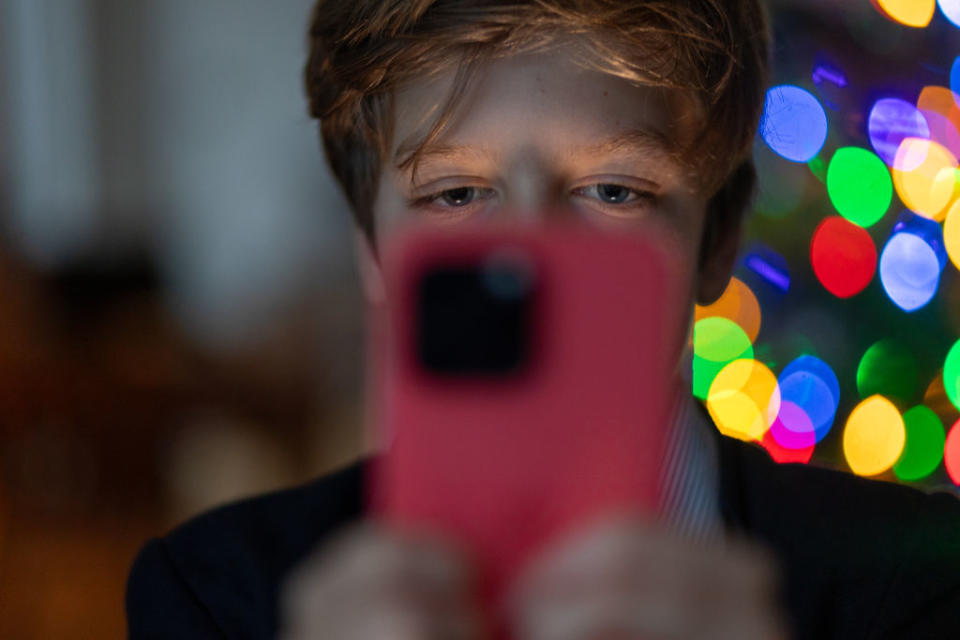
(537, 133)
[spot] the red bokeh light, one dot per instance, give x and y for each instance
(951, 453)
(783, 455)
(844, 257)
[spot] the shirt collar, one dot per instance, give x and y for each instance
(690, 499)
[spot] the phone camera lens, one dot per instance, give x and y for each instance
(508, 277)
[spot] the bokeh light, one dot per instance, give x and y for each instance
(951, 374)
(792, 428)
(923, 449)
(955, 69)
(738, 303)
(935, 397)
(925, 176)
(810, 395)
(782, 454)
(951, 234)
(939, 107)
(951, 453)
(888, 368)
(744, 399)
(769, 265)
(910, 13)
(826, 72)
(951, 10)
(891, 121)
(794, 124)
(874, 436)
(909, 271)
(717, 341)
(818, 168)
(924, 228)
(843, 256)
(859, 185)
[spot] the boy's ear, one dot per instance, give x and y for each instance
(368, 266)
(722, 231)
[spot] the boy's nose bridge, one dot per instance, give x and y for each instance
(534, 188)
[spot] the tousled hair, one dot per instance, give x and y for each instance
(362, 51)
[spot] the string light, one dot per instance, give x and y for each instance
(744, 399)
(891, 121)
(843, 256)
(924, 445)
(910, 13)
(794, 124)
(859, 185)
(717, 341)
(925, 177)
(874, 436)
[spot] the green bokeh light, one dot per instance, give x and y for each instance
(924, 447)
(717, 341)
(889, 369)
(818, 168)
(951, 375)
(859, 185)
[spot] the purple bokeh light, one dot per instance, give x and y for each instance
(891, 121)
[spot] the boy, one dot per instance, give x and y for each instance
(632, 114)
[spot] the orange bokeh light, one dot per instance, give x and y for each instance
(739, 304)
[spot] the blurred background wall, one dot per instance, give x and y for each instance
(179, 319)
(180, 322)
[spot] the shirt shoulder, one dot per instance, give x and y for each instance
(219, 574)
(860, 557)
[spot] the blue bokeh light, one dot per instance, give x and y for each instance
(955, 79)
(909, 270)
(769, 265)
(928, 230)
(794, 123)
(807, 383)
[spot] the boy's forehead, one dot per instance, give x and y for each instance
(547, 101)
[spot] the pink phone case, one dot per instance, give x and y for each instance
(504, 465)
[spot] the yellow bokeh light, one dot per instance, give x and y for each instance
(738, 303)
(744, 399)
(874, 436)
(912, 13)
(951, 234)
(925, 176)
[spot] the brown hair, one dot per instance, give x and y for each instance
(361, 51)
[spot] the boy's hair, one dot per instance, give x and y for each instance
(361, 51)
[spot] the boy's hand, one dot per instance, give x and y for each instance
(370, 584)
(628, 579)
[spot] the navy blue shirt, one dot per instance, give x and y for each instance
(859, 558)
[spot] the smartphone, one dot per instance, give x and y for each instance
(523, 377)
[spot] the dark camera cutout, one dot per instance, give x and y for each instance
(474, 320)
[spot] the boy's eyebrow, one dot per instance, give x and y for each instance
(637, 140)
(645, 141)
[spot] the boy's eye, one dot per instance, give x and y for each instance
(459, 197)
(609, 193)
(456, 199)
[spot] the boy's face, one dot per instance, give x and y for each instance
(537, 135)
